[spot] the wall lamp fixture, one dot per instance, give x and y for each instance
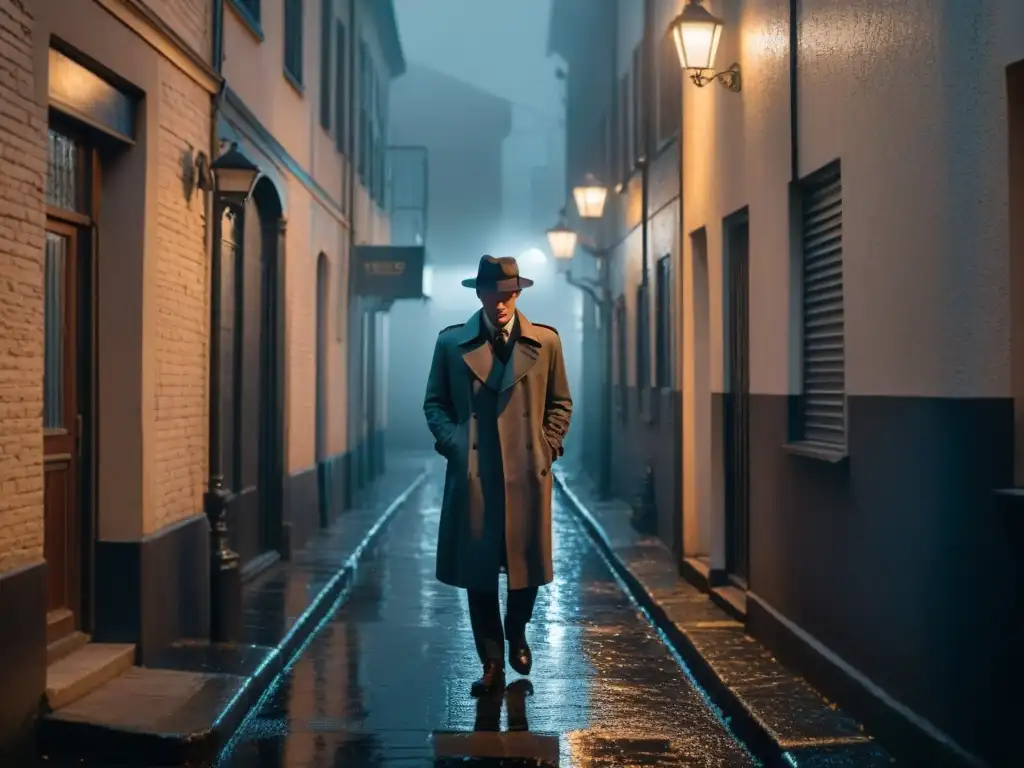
(696, 33)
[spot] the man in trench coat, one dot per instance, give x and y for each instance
(498, 406)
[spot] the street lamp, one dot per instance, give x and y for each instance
(696, 33)
(590, 197)
(234, 176)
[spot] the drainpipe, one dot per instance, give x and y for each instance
(794, 116)
(646, 86)
(350, 92)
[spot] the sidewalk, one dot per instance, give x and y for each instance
(182, 710)
(779, 715)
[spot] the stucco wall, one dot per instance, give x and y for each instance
(22, 143)
(911, 97)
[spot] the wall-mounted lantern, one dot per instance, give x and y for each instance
(562, 241)
(590, 197)
(696, 33)
(234, 176)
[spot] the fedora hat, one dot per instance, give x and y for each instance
(497, 273)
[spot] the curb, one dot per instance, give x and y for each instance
(201, 746)
(743, 722)
(320, 608)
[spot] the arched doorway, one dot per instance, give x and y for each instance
(323, 292)
(257, 437)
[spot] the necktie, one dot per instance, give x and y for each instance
(500, 343)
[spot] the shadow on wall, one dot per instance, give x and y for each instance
(414, 327)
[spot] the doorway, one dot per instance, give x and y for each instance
(257, 527)
(737, 401)
(322, 319)
(67, 376)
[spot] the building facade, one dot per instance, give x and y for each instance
(622, 117)
(847, 279)
(111, 110)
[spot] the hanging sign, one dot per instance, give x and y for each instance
(389, 272)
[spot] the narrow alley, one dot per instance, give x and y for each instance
(385, 681)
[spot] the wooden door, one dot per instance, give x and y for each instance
(62, 431)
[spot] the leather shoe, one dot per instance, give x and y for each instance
(520, 657)
(493, 679)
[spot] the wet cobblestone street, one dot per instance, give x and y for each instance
(385, 682)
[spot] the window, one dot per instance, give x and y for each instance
(364, 117)
(643, 338)
(326, 16)
(824, 377)
(381, 132)
(636, 147)
(663, 322)
(624, 143)
(670, 95)
(293, 40)
(614, 130)
(621, 359)
(601, 164)
(341, 132)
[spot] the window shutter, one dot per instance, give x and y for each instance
(824, 406)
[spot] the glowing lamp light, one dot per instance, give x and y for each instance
(696, 33)
(590, 198)
(533, 256)
(562, 241)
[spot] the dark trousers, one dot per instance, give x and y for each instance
(485, 618)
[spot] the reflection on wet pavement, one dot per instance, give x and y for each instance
(386, 680)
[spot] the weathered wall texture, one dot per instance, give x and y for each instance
(23, 149)
(182, 308)
(188, 19)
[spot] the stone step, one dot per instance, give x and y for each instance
(84, 670)
(67, 645)
(154, 717)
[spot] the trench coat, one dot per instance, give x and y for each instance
(501, 427)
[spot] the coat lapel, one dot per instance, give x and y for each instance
(476, 352)
(524, 355)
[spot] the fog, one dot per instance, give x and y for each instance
(482, 95)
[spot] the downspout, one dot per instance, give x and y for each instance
(354, 309)
(794, 116)
(646, 86)
(795, 405)
(217, 62)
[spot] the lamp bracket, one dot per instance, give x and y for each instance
(588, 286)
(203, 175)
(729, 78)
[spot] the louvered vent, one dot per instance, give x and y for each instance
(824, 405)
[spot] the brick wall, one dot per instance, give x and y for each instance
(189, 19)
(182, 308)
(22, 168)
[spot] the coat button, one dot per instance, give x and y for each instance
(543, 473)
(526, 414)
(529, 446)
(474, 415)
(474, 446)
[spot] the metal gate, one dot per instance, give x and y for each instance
(737, 410)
